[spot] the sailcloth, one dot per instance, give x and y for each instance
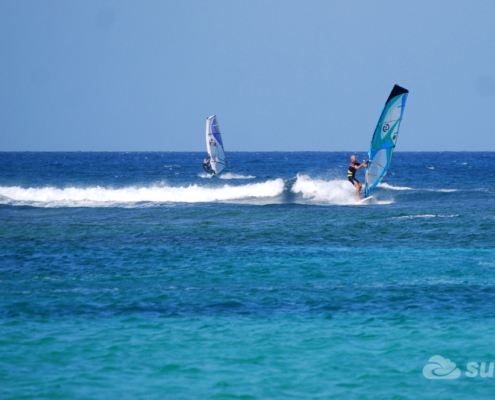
(214, 145)
(385, 138)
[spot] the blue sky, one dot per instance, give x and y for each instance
(280, 75)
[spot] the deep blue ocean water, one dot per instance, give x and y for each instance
(136, 276)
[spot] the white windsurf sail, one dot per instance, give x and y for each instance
(384, 138)
(214, 145)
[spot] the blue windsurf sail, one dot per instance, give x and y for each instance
(214, 145)
(385, 138)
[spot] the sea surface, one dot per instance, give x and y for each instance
(138, 276)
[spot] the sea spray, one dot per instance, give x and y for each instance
(332, 192)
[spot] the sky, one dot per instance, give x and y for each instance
(280, 75)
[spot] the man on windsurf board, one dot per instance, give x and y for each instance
(351, 173)
(207, 166)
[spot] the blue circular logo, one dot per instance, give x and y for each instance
(386, 127)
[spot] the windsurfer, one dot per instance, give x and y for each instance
(351, 172)
(207, 165)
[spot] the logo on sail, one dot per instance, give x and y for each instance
(386, 127)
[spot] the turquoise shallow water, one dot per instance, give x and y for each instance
(132, 275)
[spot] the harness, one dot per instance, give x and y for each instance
(351, 172)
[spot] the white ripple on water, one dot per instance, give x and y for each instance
(390, 187)
(227, 175)
(426, 216)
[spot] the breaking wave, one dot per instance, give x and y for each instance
(334, 192)
(304, 189)
(101, 196)
(338, 192)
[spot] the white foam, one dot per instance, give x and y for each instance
(338, 192)
(382, 202)
(390, 187)
(426, 216)
(227, 175)
(443, 190)
(332, 192)
(101, 196)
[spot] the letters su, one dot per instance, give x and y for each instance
(472, 370)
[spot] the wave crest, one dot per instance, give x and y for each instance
(98, 196)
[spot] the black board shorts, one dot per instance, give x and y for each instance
(352, 180)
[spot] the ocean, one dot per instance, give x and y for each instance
(137, 276)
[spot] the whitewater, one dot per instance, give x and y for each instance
(336, 192)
